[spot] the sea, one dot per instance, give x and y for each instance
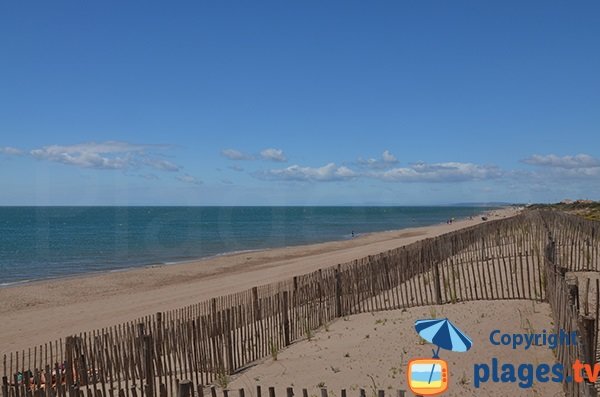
(39, 243)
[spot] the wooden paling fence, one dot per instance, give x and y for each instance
(186, 389)
(524, 257)
(563, 266)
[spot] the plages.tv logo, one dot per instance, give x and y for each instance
(429, 376)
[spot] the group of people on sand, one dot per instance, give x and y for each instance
(450, 221)
(27, 378)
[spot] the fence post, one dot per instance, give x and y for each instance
(84, 376)
(256, 311)
(158, 343)
(438, 287)
(228, 342)
(185, 389)
(295, 307)
(551, 249)
(586, 298)
(286, 319)
(4, 386)
(338, 292)
(483, 257)
(320, 289)
(159, 321)
(573, 288)
(386, 267)
(148, 365)
(141, 330)
(587, 330)
(69, 347)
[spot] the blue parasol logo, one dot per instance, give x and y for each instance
(429, 377)
(443, 334)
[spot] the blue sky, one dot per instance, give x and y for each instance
(274, 103)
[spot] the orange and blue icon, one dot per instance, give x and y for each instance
(428, 377)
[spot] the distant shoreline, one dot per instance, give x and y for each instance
(78, 304)
(154, 265)
(126, 266)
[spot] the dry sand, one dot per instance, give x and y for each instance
(41, 312)
(372, 350)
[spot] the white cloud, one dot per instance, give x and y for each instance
(387, 160)
(270, 154)
(89, 155)
(162, 165)
(11, 151)
(189, 179)
(329, 172)
(389, 157)
(233, 154)
(103, 155)
(568, 162)
(106, 155)
(418, 172)
(110, 155)
(371, 163)
(273, 155)
(438, 172)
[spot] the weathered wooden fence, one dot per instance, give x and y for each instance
(565, 260)
(186, 389)
(524, 257)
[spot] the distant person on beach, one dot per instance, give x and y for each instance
(353, 234)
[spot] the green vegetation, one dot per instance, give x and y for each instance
(432, 312)
(464, 380)
(585, 208)
(222, 379)
(274, 350)
(308, 331)
(374, 386)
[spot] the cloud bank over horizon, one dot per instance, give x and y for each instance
(537, 173)
(108, 155)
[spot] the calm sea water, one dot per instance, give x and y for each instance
(48, 242)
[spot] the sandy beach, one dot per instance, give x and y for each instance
(40, 312)
(371, 351)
